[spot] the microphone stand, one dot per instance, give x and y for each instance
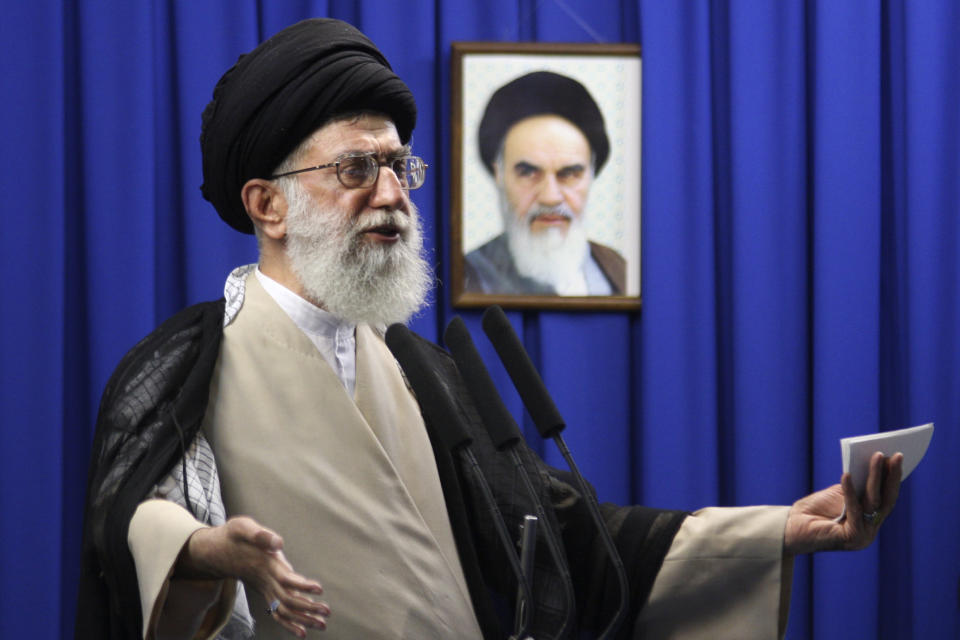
(506, 436)
(528, 547)
(550, 423)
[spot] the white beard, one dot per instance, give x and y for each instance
(552, 256)
(358, 281)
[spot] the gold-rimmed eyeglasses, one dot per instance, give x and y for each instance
(361, 170)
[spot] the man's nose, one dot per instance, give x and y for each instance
(387, 193)
(550, 194)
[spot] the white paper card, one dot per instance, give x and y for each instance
(911, 442)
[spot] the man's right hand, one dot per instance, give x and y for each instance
(242, 548)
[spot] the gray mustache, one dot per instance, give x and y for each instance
(397, 220)
(560, 210)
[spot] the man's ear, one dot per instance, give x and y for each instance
(267, 207)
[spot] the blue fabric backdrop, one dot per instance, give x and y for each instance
(801, 227)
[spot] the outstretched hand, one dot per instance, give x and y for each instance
(813, 523)
(242, 548)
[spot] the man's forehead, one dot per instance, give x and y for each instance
(366, 132)
(544, 137)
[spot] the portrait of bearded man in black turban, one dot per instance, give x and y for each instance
(543, 140)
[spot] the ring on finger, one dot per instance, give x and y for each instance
(272, 609)
(872, 517)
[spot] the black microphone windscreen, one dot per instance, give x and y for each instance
(501, 425)
(433, 393)
(525, 377)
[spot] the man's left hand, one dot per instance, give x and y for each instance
(812, 524)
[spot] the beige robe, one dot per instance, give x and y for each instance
(350, 485)
(336, 480)
(725, 577)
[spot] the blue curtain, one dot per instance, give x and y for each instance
(801, 272)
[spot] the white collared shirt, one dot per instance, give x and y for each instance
(334, 338)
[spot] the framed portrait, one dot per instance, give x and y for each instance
(545, 176)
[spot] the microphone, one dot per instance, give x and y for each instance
(528, 549)
(442, 410)
(550, 423)
(506, 436)
(525, 377)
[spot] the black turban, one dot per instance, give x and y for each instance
(536, 94)
(274, 97)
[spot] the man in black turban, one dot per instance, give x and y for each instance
(276, 96)
(543, 140)
(306, 143)
(281, 406)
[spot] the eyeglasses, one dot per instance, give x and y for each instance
(361, 170)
